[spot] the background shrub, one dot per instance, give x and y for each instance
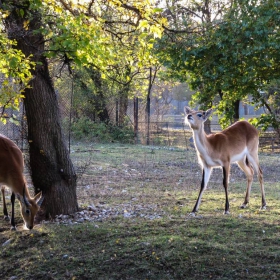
(86, 129)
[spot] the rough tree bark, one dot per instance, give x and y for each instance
(51, 168)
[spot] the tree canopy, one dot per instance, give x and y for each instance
(226, 50)
(231, 53)
(109, 36)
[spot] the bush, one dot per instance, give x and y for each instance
(86, 129)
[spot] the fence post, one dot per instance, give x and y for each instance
(135, 120)
(117, 112)
(148, 114)
(148, 108)
(70, 114)
(168, 139)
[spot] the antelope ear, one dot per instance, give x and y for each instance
(187, 110)
(208, 114)
(39, 198)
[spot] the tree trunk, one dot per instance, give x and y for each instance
(123, 98)
(246, 109)
(123, 104)
(235, 105)
(236, 110)
(51, 167)
(207, 126)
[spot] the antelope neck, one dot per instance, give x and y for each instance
(200, 139)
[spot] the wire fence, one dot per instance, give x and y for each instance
(169, 161)
(154, 133)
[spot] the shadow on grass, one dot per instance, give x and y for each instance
(221, 247)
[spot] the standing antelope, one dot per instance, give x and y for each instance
(11, 174)
(238, 143)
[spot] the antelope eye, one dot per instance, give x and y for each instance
(199, 115)
(27, 211)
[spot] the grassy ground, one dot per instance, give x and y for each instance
(151, 190)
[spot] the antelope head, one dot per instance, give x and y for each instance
(196, 119)
(29, 207)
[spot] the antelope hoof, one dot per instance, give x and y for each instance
(263, 207)
(226, 212)
(243, 206)
(192, 214)
(13, 228)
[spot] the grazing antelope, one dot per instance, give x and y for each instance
(238, 143)
(11, 175)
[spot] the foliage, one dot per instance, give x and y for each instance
(122, 134)
(269, 99)
(15, 73)
(86, 129)
(231, 56)
(115, 38)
